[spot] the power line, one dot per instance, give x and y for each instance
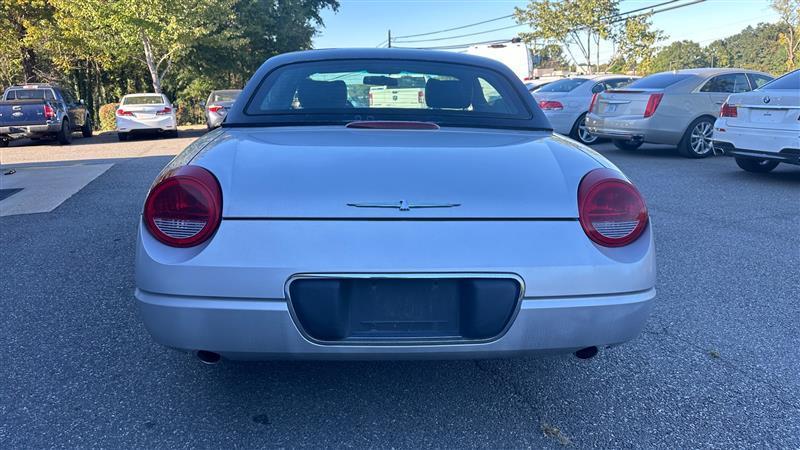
(456, 28)
(460, 35)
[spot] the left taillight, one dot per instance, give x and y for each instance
(652, 104)
(593, 102)
(612, 212)
(165, 111)
(184, 208)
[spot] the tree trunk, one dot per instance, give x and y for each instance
(151, 63)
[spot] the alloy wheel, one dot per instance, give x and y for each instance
(583, 133)
(700, 139)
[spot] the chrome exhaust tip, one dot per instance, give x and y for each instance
(207, 357)
(587, 353)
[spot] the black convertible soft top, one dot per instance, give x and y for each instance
(241, 113)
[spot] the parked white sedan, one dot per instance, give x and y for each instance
(566, 102)
(310, 227)
(761, 129)
(148, 113)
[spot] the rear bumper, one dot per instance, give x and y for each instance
(786, 155)
(30, 130)
(636, 129)
(265, 329)
(158, 123)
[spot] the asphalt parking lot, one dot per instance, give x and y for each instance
(716, 367)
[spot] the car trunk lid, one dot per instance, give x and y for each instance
(623, 102)
(766, 109)
(338, 172)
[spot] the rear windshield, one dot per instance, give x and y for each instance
(29, 94)
(143, 100)
(789, 81)
(565, 85)
(659, 80)
(224, 96)
(347, 90)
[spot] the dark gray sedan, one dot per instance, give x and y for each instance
(217, 106)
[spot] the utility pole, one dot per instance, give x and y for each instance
(390, 39)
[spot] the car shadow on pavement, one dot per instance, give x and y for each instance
(784, 174)
(107, 137)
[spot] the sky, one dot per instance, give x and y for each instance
(365, 23)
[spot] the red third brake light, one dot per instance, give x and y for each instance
(652, 104)
(550, 105)
(611, 210)
(184, 208)
(728, 111)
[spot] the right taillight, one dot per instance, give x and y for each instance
(49, 112)
(215, 108)
(652, 104)
(184, 208)
(612, 212)
(728, 110)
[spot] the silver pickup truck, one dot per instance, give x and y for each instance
(39, 111)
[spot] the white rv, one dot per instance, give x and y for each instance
(513, 54)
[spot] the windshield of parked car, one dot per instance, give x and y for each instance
(565, 85)
(224, 96)
(659, 80)
(348, 90)
(143, 100)
(789, 81)
(29, 94)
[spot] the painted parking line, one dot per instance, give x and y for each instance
(42, 189)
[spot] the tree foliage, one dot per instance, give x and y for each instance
(103, 49)
(680, 55)
(636, 44)
(789, 37)
(578, 22)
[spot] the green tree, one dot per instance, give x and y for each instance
(789, 14)
(680, 55)
(578, 22)
(18, 21)
(636, 44)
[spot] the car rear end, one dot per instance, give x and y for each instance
(563, 102)
(763, 124)
(145, 113)
(28, 111)
(651, 109)
(390, 238)
(217, 106)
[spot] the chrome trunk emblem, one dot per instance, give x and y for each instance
(402, 205)
(766, 99)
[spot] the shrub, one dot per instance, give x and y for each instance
(108, 116)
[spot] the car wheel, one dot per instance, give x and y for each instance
(3, 143)
(756, 165)
(86, 129)
(122, 136)
(696, 142)
(65, 135)
(581, 133)
(627, 145)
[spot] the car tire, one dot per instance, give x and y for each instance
(581, 134)
(65, 135)
(3, 143)
(86, 129)
(696, 142)
(627, 145)
(757, 165)
(122, 136)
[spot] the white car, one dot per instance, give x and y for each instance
(761, 128)
(146, 113)
(311, 228)
(566, 102)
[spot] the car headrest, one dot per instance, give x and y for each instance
(455, 94)
(322, 94)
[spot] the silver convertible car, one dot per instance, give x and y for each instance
(307, 227)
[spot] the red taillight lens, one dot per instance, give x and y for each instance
(612, 211)
(185, 208)
(421, 97)
(49, 112)
(652, 104)
(592, 103)
(728, 111)
(122, 112)
(166, 110)
(550, 105)
(215, 108)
